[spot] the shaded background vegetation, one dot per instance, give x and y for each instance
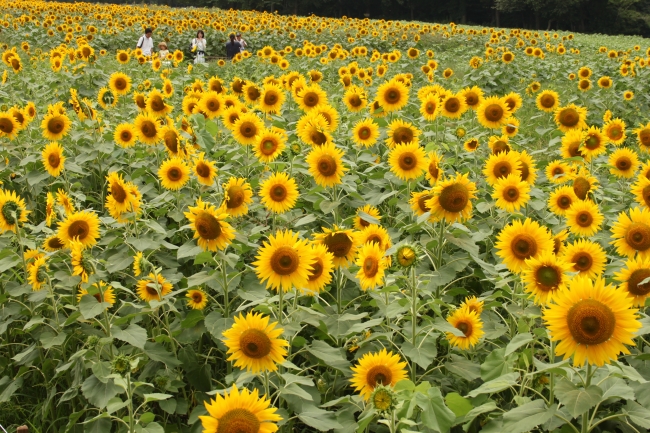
(589, 16)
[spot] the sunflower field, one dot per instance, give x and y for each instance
(353, 226)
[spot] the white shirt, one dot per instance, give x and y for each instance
(146, 44)
(200, 44)
(243, 44)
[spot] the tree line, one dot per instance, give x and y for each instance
(586, 16)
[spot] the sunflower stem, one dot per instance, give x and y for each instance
(266, 385)
(585, 415)
(280, 304)
(414, 313)
(22, 252)
(54, 304)
(551, 386)
(226, 300)
(339, 291)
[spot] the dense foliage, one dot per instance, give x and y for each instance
(354, 226)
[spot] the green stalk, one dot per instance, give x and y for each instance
(585, 416)
(551, 387)
(414, 313)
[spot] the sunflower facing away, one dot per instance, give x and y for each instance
(339, 242)
(240, 412)
(469, 323)
(372, 264)
(632, 279)
(326, 165)
(592, 322)
(584, 218)
(381, 368)
(544, 276)
(452, 199)
(82, 227)
(285, 261)
(254, 344)
(153, 288)
(237, 196)
(174, 174)
(588, 258)
(632, 233)
(279, 192)
(520, 241)
(211, 230)
(511, 193)
(12, 211)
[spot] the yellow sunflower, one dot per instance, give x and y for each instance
(125, 135)
(393, 95)
(174, 174)
(520, 241)
(548, 101)
(430, 107)
(365, 133)
(284, 262)
(641, 191)
(588, 258)
(561, 200)
(374, 234)
(632, 279)
(153, 288)
(572, 141)
(237, 196)
(279, 192)
(119, 199)
(469, 323)
(52, 243)
(583, 183)
(38, 273)
(571, 117)
(321, 272)
(156, 104)
(101, 291)
(360, 223)
(211, 104)
(501, 166)
(453, 106)
(63, 199)
(147, 128)
(373, 369)
(309, 97)
(339, 242)
(119, 83)
(473, 96)
(643, 137)
(355, 99)
(511, 193)
(82, 227)
(407, 161)
(8, 125)
(513, 101)
(211, 230)
(269, 145)
(557, 171)
(196, 299)
(471, 144)
(632, 233)
(240, 412)
(401, 132)
(594, 143)
(205, 170)
(545, 276)
(55, 126)
(246, 128)
(451, 199)
(326, 165)
(499, 144)
(493, 112)
(372, 264)
(584, 218)
(614, 130)
(254, 344)
(473, 304)
(434, 171)
(313, 129)
(592, 322)
(511, 127)
(12, 211)
(623, 163)
(81, 264)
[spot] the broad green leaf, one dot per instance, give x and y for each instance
(101, 425)
(638, 414)
(577, 400)
(331, 356)
(318, 418)
(188, 249)
(89, 307)
(157, 352)
(133, 334)
(458, 404)
(435, 415)
(496, 385)
(496, 365)
(424, 353)
(614, 387)
(525, 418)
(463, 367)
(518, 341)
(156, 397)
(98, 393)
(10, 389)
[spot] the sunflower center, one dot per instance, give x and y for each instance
(471, 99)
(523, 246)
(403, 135)
(253, 93)
(591, 322)
(500, 146)
(174, 174)
(407, 161)
(547, 278)
(584, 219)
(203, 169)
(55, 125)
(157, 104)
(120, 83)
(55, 243)
(511, 194)
(207, 226)
(197, 297)
(379, 374)
(582, 261)
(238, 421)
(547, 101)
(430, 107)
(126, 135)
(139, 100)
(248, 129)
(285, 260)
(268, 146)
(644, 137)
(592, 142)
(54, 160)
(454, 198)
(171, 141)
(634, 285)
(564, 202)
(434, 171)
(327, 165)
(615, 133)
(494, 112)
(78, 229)
(338, 244)
(364, 132)
(270, 98)
(569, 117)
(422, 202)
(118, 193)
(558, 171)
(465, 328)
(638, 236)
(452, 105)
(236, 197)
(502, 169)
(355, 101)
(148, 129)
(278, 193)
(311, 99)
(581, 187)
(370, 267)
(623, 163)
(393, 96)
(584, 84)
(255, 343)
(317, 270)
(318, 138)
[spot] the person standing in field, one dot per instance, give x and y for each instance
(242, 42)
(199, 44)
(233, 47)
(145, 43)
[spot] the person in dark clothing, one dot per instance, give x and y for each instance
(233, 47)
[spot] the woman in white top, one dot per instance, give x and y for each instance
(242, 42)
(199, 44)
